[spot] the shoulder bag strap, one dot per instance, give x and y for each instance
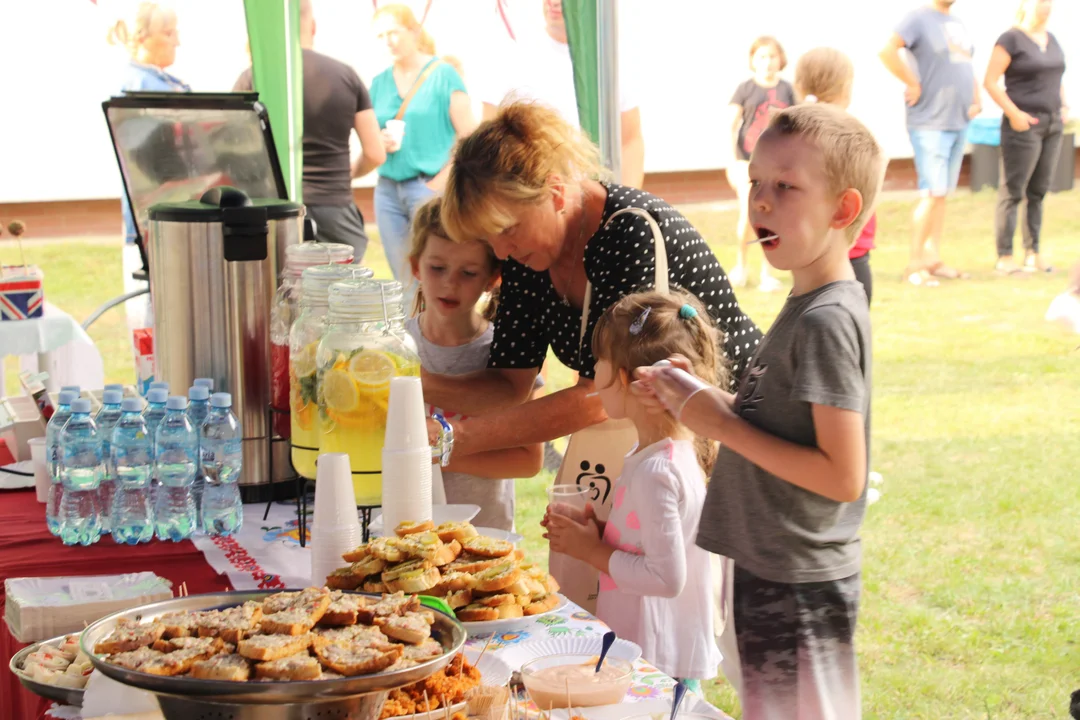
(416, 87)
(660, 279)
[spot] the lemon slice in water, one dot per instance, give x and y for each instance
(304, 361)
(340, 391)
(372, 368)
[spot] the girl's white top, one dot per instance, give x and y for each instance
(660, 591)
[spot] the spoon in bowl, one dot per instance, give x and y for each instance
(609, 640)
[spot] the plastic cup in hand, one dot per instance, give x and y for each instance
(406, 421)
(569, 501)
(396, 128)
(335, 499)
(41, 470)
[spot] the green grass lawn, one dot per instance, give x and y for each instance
(970, 580)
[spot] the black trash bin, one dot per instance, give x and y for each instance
(984, 134)
(1065, 175)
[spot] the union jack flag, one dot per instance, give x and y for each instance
(21, 299)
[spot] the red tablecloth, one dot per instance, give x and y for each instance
(28, 550)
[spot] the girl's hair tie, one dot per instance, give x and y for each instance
(810, 99)
(687, 312)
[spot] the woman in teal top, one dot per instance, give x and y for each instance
(439, 112)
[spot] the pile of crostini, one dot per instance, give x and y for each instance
(481, 578)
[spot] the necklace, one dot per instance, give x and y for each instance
(580, 235)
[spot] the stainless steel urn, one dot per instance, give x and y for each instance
(213, 274)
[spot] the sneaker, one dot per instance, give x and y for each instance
(737, 276)
(872, 496)
(875, 479)
(768, 283)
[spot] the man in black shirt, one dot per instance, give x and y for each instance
(336, 102)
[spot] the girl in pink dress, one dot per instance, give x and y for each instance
(656, 585)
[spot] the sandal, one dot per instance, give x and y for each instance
(1005, 268)
(1033, 264)
(942, 270)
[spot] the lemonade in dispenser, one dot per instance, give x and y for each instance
(304, 337)
(365, 345)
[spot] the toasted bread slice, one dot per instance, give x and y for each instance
(295, 667)
(477, 613)
(451, 583)
(388, 549)
(459, 599)
(424, 546)
(134, 659)
(471, 564)
(460, 531)
(412, 628)
(417, 581)
(357, 554)
(279, 601)
(394, 572)
(497, 600)
(351, 636)
(374, 585)
(301, 617)
(542, 604)
(129, 635)
(232, 668)
(188, 643)
(507, 612)
(356, 661)
(344, 578)
(426, 650)
(344, 609)
(273, 647)
(231, 625)
(482, 546)
(178, 662)
(411, 528)
(180, 624)
(498, 577)
(447, 554)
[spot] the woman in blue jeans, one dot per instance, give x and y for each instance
(437, 114)
(1033, 63)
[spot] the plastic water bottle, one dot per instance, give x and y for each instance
(207, 383)
(159, 385)
(55, 460)
(72, 388)
(132, 456)
(106, 420)
(80, 509)
(222, 459)
(154, 414)
(176, 445)
(198, 409)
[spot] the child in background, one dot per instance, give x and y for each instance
(656, 585)
(788, 493)
(825, 75)
(453, 338)
(749, 111)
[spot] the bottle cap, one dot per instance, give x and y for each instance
(159, 384)
(176, 402)
(133, 404)
(115, 386)
(205, 382)
(66, 397)
(71, 388)
(81, 405)
(306, 254)
(221, 400)
(317, 280)
(366, 301)
(112, 397)
(198, 392)
(157, 395)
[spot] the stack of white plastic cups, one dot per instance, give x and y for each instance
(335, 529)
(406, 458)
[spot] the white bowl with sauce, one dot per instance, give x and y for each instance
(552, 678)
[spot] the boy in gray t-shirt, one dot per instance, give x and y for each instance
(788, 491)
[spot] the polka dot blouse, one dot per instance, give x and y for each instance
(619, 260)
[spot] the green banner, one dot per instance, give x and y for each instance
(278, 76)
(581, 32)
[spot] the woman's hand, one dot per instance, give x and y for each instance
(566, 536)
(1020, 121)
(389, 141)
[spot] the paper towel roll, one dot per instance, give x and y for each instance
(406, 491)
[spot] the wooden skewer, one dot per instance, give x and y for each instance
(569, 705)
(427, 705)
(486, 646)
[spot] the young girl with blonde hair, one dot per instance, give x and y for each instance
(656, 584)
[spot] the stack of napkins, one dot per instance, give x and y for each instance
(42, 608)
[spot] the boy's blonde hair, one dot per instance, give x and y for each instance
(853, 157)
(628, 338)
(428, 222)
(508, 161)
(826, 73)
